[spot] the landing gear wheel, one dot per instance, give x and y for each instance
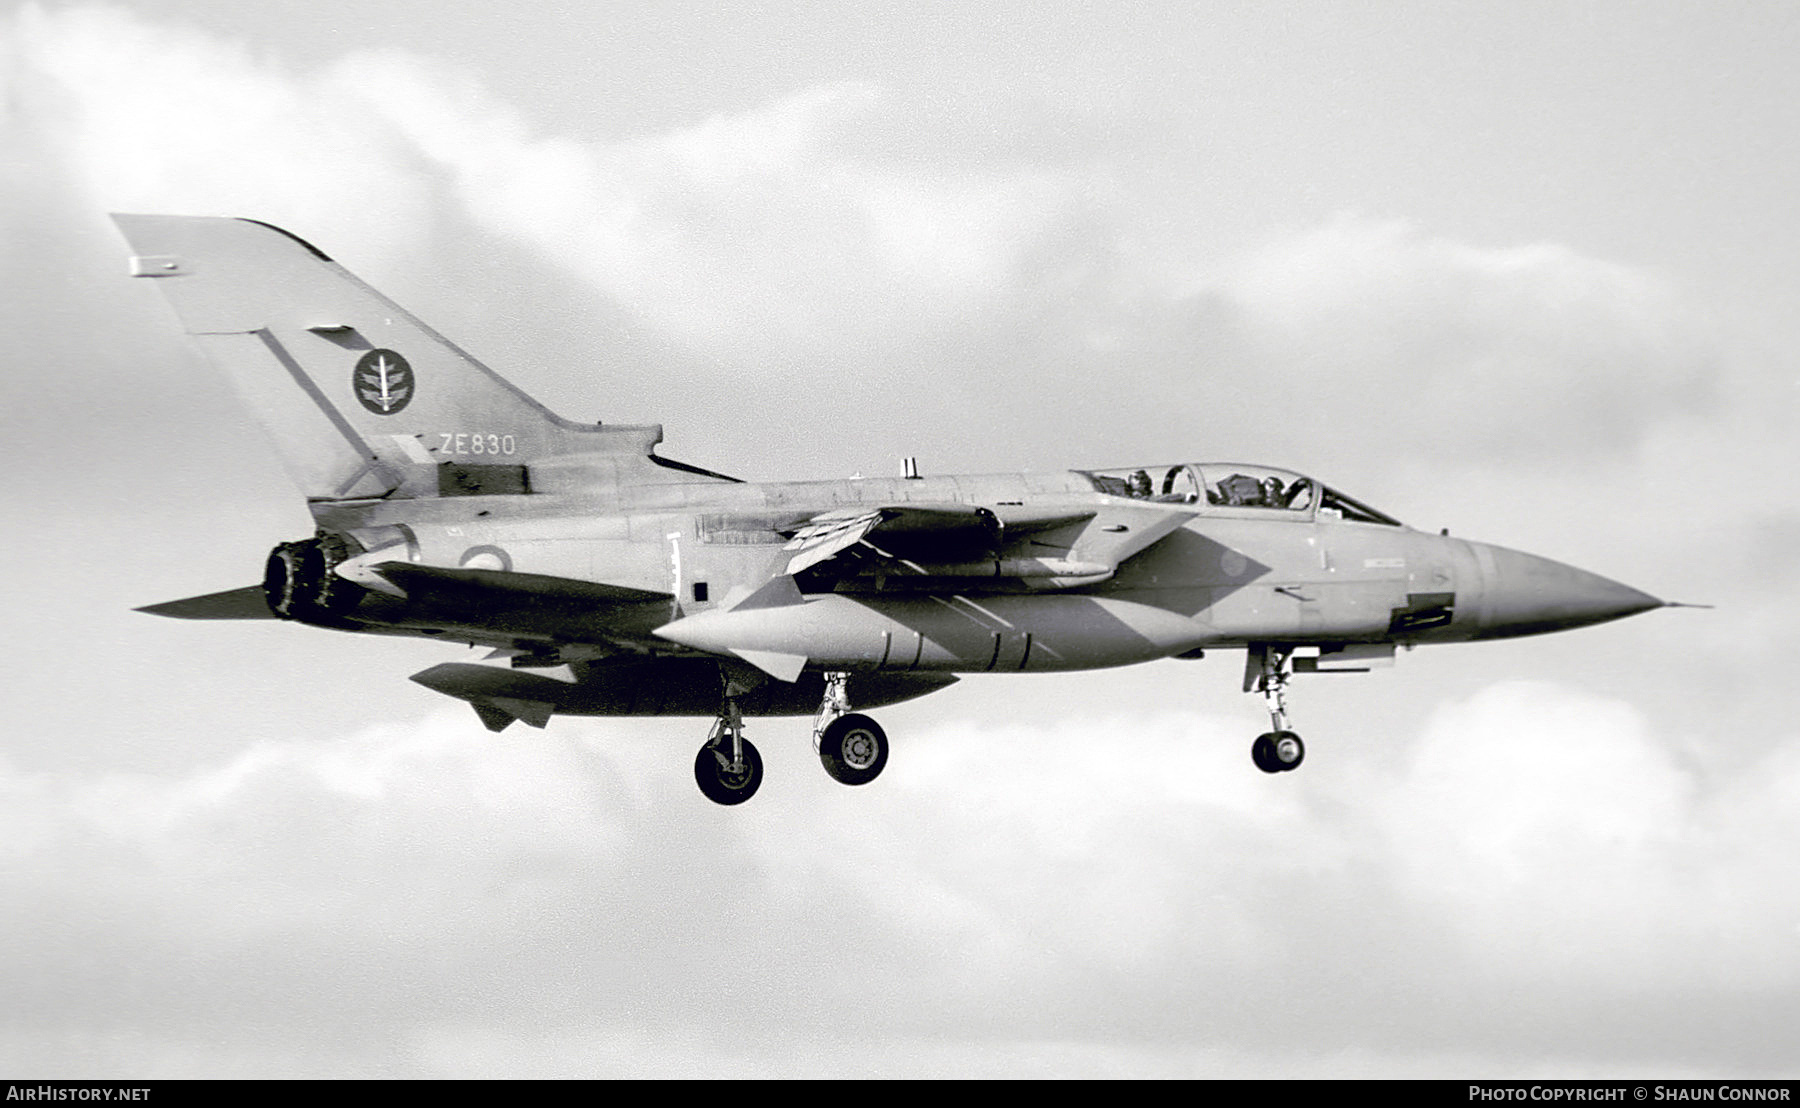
(1277, 751)
(854, 749)
(1289, 750)
(723, 782)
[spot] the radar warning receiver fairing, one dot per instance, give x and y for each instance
(609, 580)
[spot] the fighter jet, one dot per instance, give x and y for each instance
(606, 579)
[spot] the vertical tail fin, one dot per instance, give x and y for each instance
(362, 399)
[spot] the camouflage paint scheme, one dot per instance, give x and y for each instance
(612, 581)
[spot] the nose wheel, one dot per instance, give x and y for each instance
(1277, 751)
(1266, 670)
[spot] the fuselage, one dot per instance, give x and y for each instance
(1316, 569)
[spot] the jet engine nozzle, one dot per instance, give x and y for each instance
(299, 582)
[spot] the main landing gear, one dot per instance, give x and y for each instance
(1267, 670)
(852, 747)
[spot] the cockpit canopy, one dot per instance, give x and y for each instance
(1229, 486)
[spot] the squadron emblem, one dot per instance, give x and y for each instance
(383, 382)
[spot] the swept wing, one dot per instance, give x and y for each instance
(1041, 549)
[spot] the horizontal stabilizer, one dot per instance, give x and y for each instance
(245, 603)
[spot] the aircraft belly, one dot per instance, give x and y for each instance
(1001, 634)
(950, 634)
(664, 687)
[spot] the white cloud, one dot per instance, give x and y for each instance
(153, 117)
(1074, 881)
(1528, 352)
(1531, 811)
(772, 227)
(785, 239)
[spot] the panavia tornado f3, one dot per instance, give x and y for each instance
(609, 580)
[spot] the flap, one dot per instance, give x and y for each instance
(827, 535)
(917, 532)
(962, 540)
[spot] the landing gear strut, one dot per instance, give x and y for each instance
(1266, 670)
(728, 769)
(853, 747)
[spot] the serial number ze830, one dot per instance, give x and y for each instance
(475, 442)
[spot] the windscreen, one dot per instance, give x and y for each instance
(1235, 486)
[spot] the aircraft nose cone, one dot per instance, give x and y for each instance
(1528, 595)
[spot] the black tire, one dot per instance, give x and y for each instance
(1262, 752)
(854, 749)
(716, 778)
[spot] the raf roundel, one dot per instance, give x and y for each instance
(383, 382)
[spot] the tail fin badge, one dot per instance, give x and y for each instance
(383, 382)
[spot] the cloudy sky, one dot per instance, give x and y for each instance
(1522, 270)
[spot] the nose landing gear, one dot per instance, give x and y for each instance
(1267, 670)
(1277, 751)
